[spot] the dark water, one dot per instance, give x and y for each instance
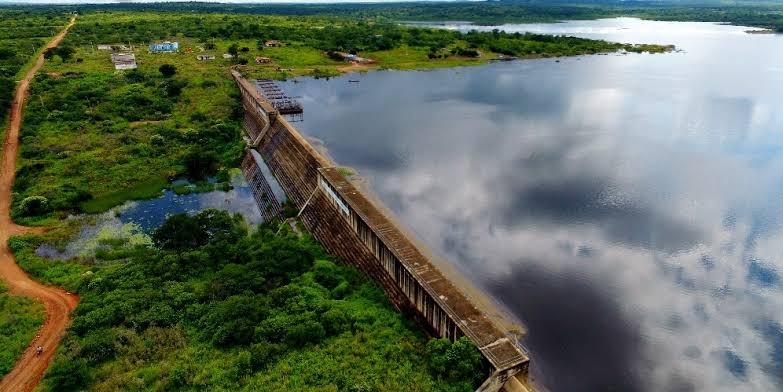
(139, 219)
(150, 214)
(628, 209)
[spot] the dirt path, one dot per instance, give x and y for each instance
(29, 370)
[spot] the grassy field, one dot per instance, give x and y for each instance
(20, 318)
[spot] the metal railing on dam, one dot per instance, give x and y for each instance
(351, 227)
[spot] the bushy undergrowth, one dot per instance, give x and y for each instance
(213, 306)
(20, 318)
(21, 35)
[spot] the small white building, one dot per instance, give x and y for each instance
(114, 48)
(352, 58)
(123, 61)
(228, 56)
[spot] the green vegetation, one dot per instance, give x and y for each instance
(213, 306)
(167, 70)
(91, 136)
(749, 13)
(20, 318)
(22, 34)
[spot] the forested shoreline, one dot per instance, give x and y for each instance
(763, 14)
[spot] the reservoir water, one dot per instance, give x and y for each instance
(628, 209)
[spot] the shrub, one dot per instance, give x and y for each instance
(264, 353)
(174, 87)
(233, 50)
(335, 321)
(199, 164)
(98, 346)
(34, 205)
(135, 76)
(182, 232)
(307, 332)
(327, 274)
(454, 361)
(157, 140)
(68, 375)
(167, 70)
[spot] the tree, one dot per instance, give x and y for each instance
(233, 50)
(183, 232)
(135, 76)
(6, 53)
(34, 205)
(200, 164)
(454, 361)
(167, 70)
(6, 94)
(65, 52)
(174, 87)
(69, 375)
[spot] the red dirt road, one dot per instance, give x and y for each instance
(29, 370)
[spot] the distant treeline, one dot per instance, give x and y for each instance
(334, 34)
(767, 14)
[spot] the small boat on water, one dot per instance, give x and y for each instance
(352, 81)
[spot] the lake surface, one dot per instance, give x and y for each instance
(627, 208)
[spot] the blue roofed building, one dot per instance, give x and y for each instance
(164, 47)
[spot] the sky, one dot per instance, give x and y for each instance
(205, 1)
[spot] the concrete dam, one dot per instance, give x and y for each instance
(281, 164)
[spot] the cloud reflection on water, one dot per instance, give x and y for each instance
(626, 208)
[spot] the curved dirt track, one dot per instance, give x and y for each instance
(29, 370)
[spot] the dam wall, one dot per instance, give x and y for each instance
(351, 227)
